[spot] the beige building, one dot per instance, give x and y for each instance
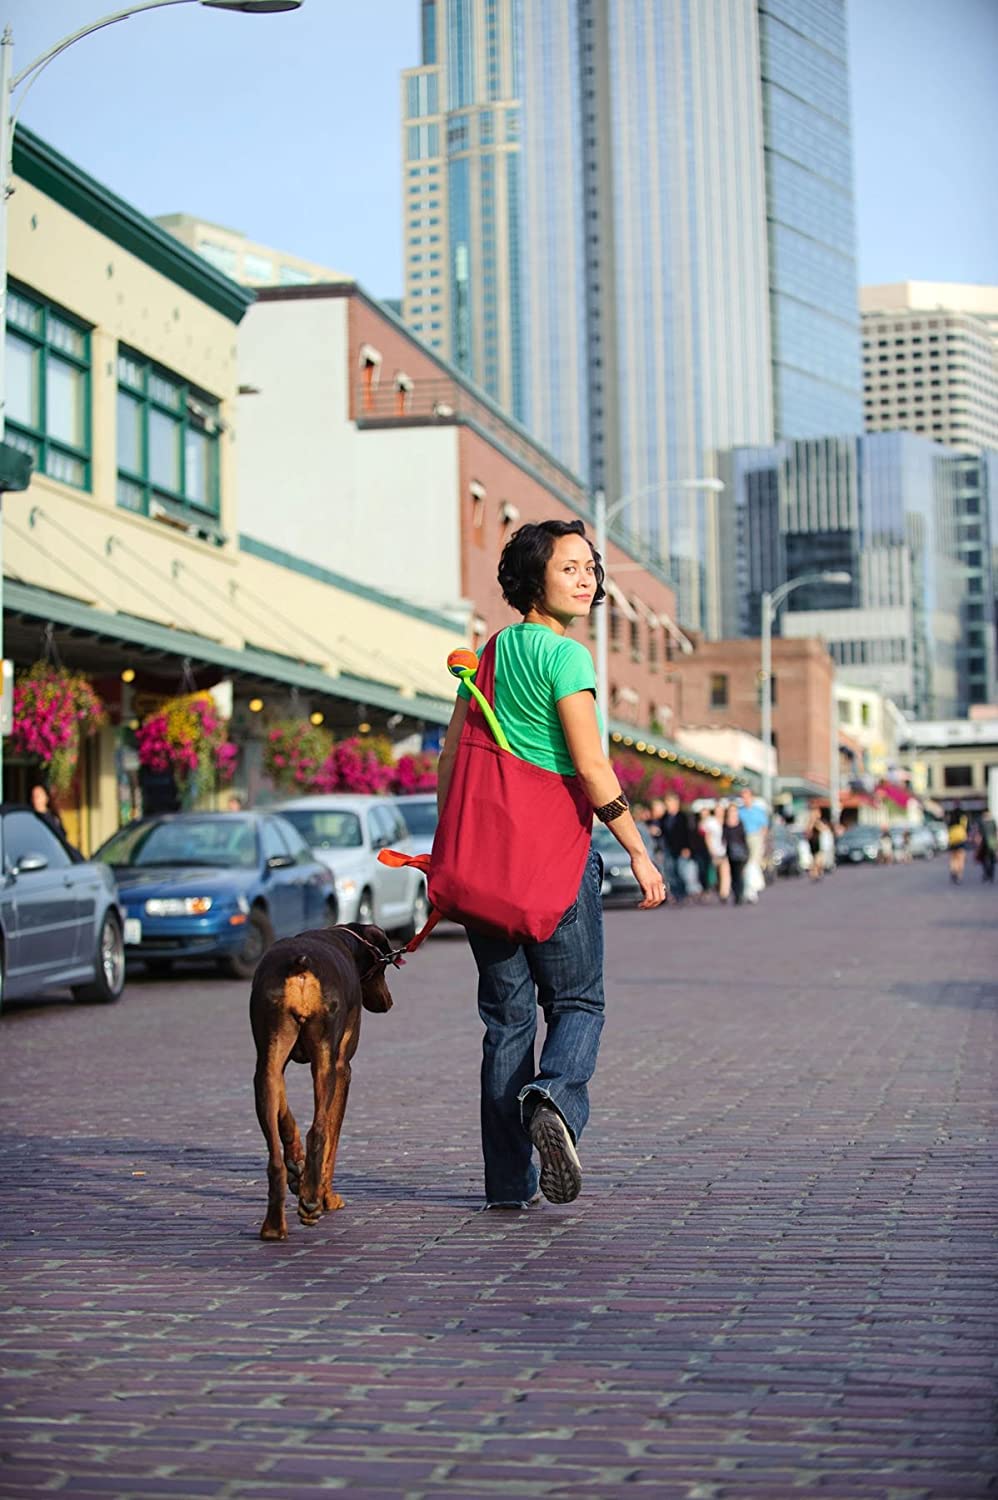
(127, 558)
(242, 259)
(954, 761)
(930, 361)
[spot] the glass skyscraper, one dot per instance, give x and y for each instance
(649, 259)
(814, 310)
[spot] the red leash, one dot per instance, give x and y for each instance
(396, 859)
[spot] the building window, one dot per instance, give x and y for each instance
(718, 689)
(958, 776)
(48, 388)
(168, 438)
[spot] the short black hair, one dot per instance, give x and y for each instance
(527, 554)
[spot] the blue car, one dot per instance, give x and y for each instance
(219, 886)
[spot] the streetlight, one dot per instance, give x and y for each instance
(9, 84)
(602, 516)
(770, 604)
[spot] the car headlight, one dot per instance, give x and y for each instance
(178, 906)
(615, 871)
(346, 887)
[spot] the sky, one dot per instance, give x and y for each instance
(287, 127)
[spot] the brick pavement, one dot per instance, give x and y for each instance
(779, 1280)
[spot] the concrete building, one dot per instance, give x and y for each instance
(128, 557)
(242, 259)
(930, 361)
(718, 688)
(817, 382)
(461, 204)
(880, 508)
(954, 761)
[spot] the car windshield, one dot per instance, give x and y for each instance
(226, 843)
(420, 818)
(326, 828)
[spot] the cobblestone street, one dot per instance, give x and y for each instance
(780, 1278)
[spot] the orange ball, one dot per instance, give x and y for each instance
(462, 660)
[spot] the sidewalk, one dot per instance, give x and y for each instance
(779, 1281)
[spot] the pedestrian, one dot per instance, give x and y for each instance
(234, 803)
(814, 844)
(544, 698)
(754, 818)
(676, 837)
(957, 836)
(987, 848)
(701, 854)
(736, 848)
(713, 832)
(41, 802)
(827, 846)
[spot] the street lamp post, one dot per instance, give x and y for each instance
(9, 84)
(770, 604)
(602, 516)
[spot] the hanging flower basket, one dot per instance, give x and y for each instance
(301, 758)
(188, 738)
(293, 754)
(54, 710)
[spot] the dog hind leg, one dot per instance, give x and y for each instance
(294, 1151)
(347, 1048)
(268, 1089)
(310, 1195)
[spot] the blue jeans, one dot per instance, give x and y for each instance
(673, 879)
(564, 976)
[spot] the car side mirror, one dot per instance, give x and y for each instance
(280, 862)
(28, 863)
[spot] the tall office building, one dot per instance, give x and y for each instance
(882, 508)
(461, 194)
(656, 299)
(817, 382)
(930, 361)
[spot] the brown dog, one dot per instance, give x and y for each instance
(305, 1007)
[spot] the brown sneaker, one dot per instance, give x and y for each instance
(561, 1170)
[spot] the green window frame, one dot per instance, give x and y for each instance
(48, 411)
(167, 437)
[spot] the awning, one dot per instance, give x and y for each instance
(678, 757)
(683, 641)
(109, 633)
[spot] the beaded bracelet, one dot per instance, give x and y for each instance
(611, 810)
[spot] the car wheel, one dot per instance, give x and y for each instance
(109, 965)
(258, 934)
(420, 913)
(365, 909)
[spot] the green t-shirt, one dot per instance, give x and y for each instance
(535, 668)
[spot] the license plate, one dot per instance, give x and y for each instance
(133, 931)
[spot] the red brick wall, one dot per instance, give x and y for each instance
(803, 672)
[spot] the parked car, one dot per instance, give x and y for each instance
(858, 844)
(419, 809)
(215, 885)
(61, 923)
(619, 883)
(345, 831)
(784, 856)
(921, 841)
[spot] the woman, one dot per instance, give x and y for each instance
(814, 844)
(958, 835)
(41, 803)
(737, 850)
(714, 833)
(545, 686)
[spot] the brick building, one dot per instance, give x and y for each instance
(406, 476)
(718, 685)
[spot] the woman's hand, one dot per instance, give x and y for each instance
(649, 878)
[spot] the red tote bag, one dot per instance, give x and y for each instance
(512, 841)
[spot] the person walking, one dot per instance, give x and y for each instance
(701, 854)
(958, 835)
(713, 832)
(676, 836)
(736, 848)
(544, 698)
(987, 846)
(754, 818)
(814, 844)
